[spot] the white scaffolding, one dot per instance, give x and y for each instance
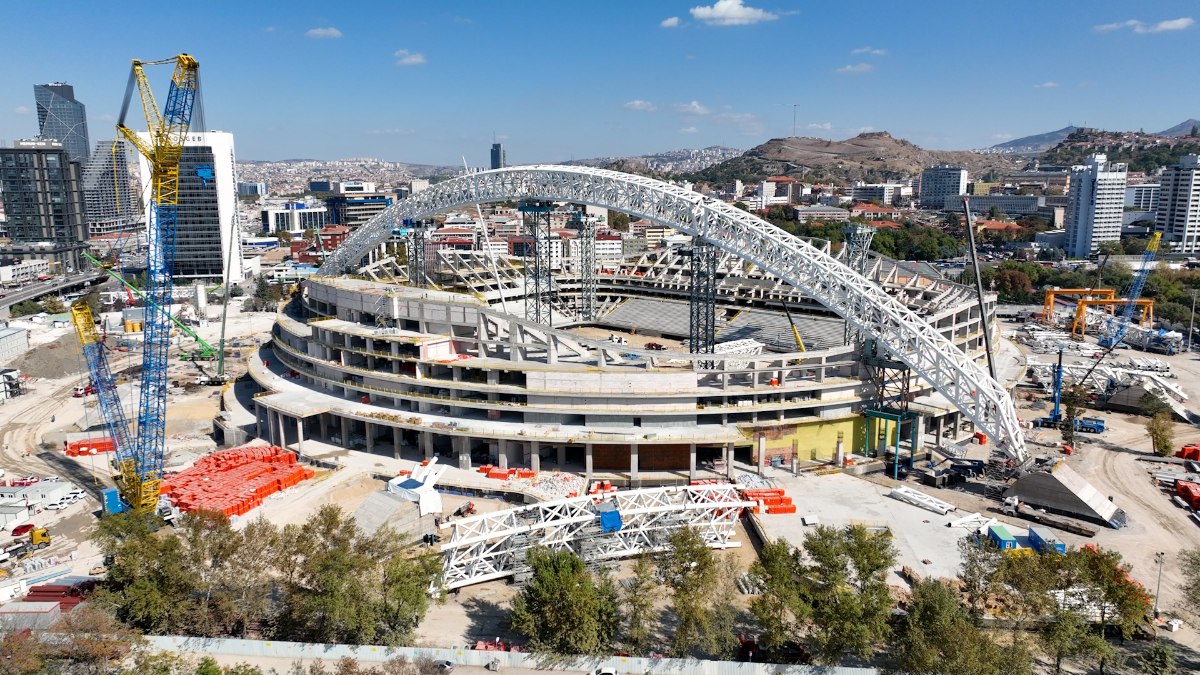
(494, 545)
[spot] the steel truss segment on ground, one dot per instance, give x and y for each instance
(494, 545)
(862, 303)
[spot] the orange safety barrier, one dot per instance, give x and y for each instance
(83, 448)
(235, 481)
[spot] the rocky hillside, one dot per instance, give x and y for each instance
(1036, 144)
(871, 157)
(1141, 151)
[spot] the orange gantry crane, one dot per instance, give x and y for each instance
(1052, 293)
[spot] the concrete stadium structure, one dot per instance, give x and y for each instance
(371, 362)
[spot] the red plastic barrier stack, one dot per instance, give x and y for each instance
(83, 448)
(235, 481)
(1191, 452)
(1188, 492)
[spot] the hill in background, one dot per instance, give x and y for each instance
(872, 157)
(1036, 144)
(1182, 129)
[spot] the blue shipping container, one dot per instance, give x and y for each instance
(112, 501)
(1044, 541)
(1000, 535)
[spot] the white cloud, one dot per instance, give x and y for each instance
(693, 108)
(1048, 84)
(669, 22)
(21, 110)
(639, 104)
(463, 19)
(329, 33)
(731, 13)
(826, 126)
(390, 132)
(688, 130)
(407, 58)
(269, 29)
(857, 68)
(106, 117)
(869, 50)
(1142, 27)
(1001, 137)
(862, 130)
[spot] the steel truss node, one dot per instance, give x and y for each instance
(417, 250)
(858, 243)
(898, 330)
(539, 277)
(588, 283)
(494, 545)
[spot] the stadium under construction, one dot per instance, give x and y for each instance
(677, 362)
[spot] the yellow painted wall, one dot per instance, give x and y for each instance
(816, 439)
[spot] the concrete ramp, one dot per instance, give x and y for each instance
(383, 509)
(1058, 488)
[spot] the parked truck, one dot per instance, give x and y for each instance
(38, 539)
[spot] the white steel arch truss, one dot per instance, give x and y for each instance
(863, 304)
(494, 545)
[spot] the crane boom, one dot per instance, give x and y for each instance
(1116, 330)
(141, 475)
(102, 380)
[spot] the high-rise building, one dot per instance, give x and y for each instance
(62, 118)
(43, 203)
(110, 203)
(940, 182)
(207, 238)
(1095, 205)
(355, 209)
(498, 160)
(252, 189)
(1178, 215)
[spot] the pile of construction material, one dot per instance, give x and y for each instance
(235, 481)
(773, 499)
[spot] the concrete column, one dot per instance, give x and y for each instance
(501, 453)
(729, 460)
(427, 444)
(535, 457)
(370, 433)
(495, 450)
(919, 423)
(397, 440)
(323, 420)
(257, 422)
(941, 428)
(344, 424)
(691, 462)
(282, 430)
(300, 434)
(587, 463)
(762, 453)
(562, 457)
(462, 448)
(635, 478)
(839, 453)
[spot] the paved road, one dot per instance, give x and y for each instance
(37, 289)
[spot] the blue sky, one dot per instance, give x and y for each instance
(430, 82)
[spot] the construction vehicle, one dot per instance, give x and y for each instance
(140, 464)
(102, 383)
(795, 331)
(38, 539)
(1092, 425)
(1116, 329)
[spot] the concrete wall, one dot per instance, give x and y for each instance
(814, 440)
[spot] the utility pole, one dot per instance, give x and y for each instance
(794, 106)
(1158, 558)
(1192, 321)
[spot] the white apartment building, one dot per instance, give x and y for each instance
(884, 193)
(1095, 205)
(206, 233)
(1179, 205)
(940, 182)
(1143, 197)
(23, 271)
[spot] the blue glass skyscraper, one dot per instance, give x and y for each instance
(62, 118)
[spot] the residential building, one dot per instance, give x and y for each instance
(252, 189)
(43, 202)
(206, 233)
(975, 189)
(1095, 205)
(353, 187)
(111, 205)
(62, 118)
(874, 211)
(355, 209)
(18, 272)
(825, 214)
(293, 217)
(1142, 196)
(315, 250)
(417, 184)
(1178, 215)
(499, 161)
(940, 182)
(1010, 204)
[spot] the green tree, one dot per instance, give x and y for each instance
(53, 304)
(1073, 398)
(641, 591)
(846, 588)
(283, 236)
(1159, 659)
(618, 221)
(936, 636)
(689, 569)
(980, 559)
(1161, 430)
(22, 653)
(781, 608)
(404, 596)
(1068, 637)
(1189, 565)
(1105, 581)
(24, 308)
(208, 666)
(722, 638)
(1151, 404)
(563, 610)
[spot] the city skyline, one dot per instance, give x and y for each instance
(428, 83)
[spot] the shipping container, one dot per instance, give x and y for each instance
(1001, 536)
(1044, 541)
